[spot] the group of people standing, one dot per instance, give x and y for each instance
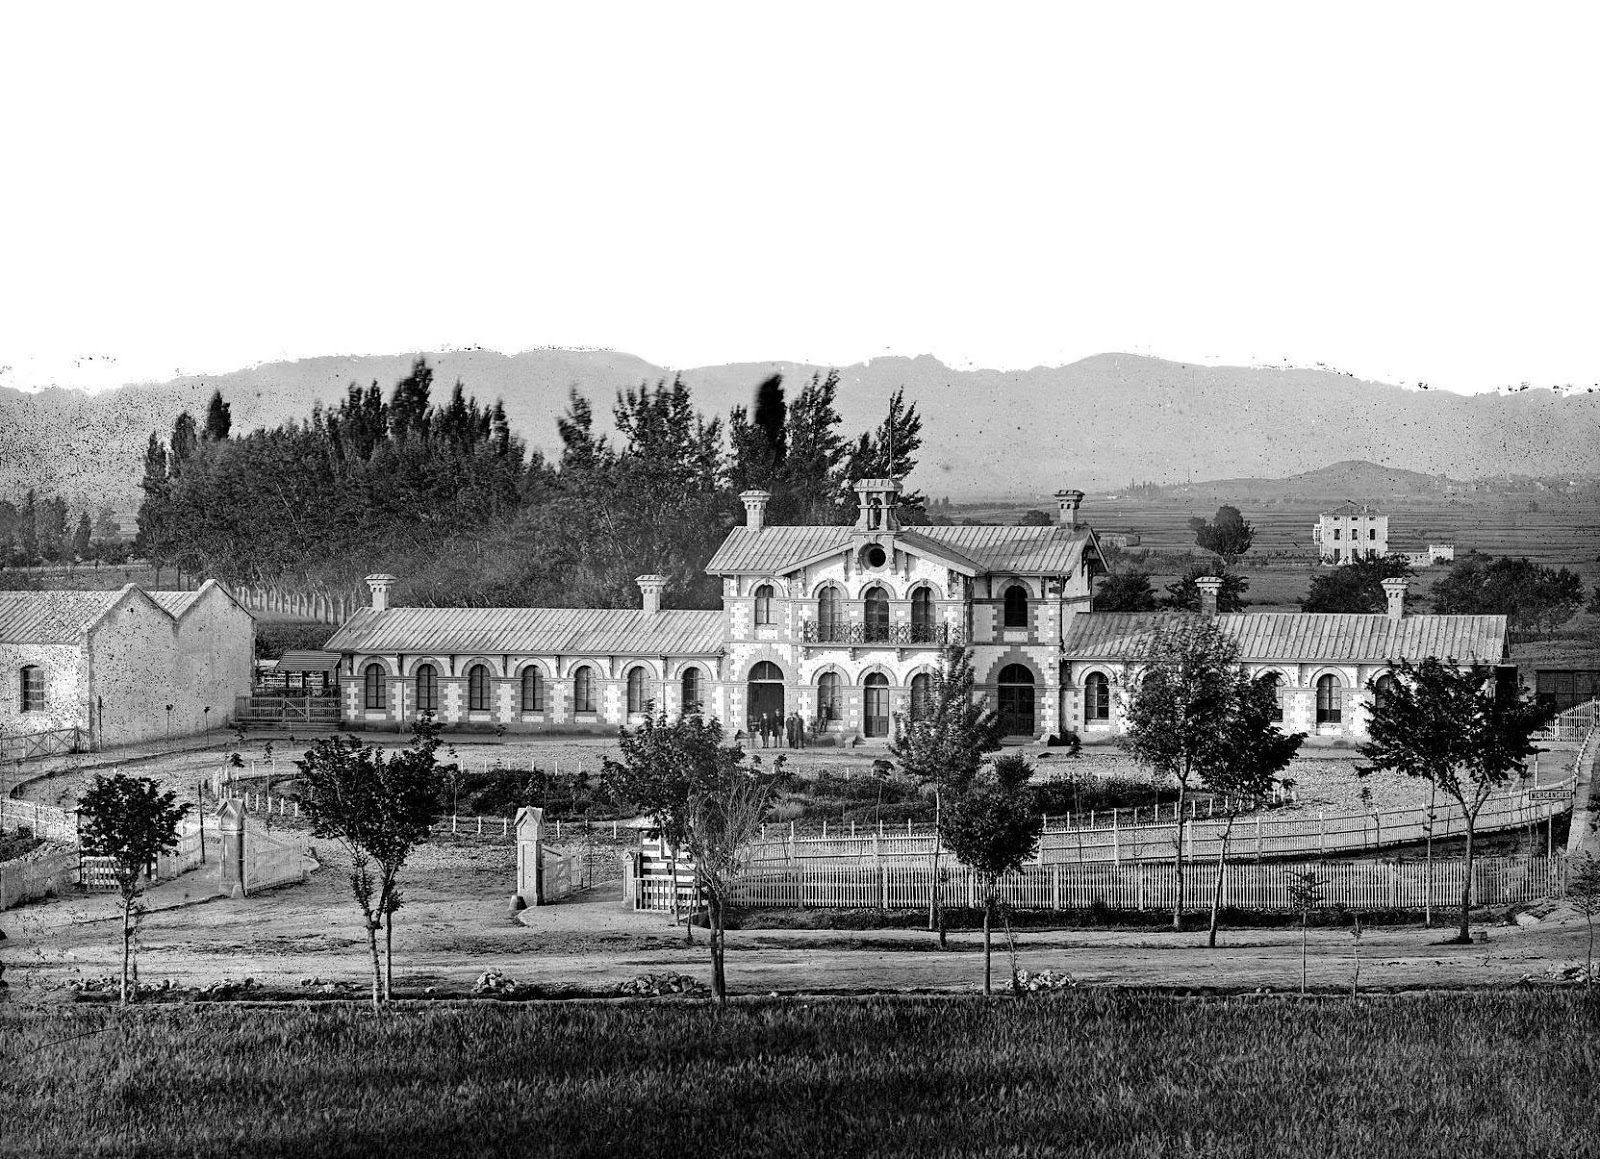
(779, 731)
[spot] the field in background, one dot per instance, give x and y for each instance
(1091, 1073)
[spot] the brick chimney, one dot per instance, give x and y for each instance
(1395, 589)
(1210, 588)
(651, 587)
(1067, 502)
(379, 584)
(755, 508)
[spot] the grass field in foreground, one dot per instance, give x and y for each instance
(1082, 1074)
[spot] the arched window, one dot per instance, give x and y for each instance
(764, 604)
(1096, 697)
(478, 688)
(636, 690)
(376, 682)
(427, 688)
(830, 619)
(922, 617)
(921, 696)
(691, 689)
(1016, 700)
(583, 690)
(830, 702)
(1016, 606)
(1274, 680)
(1383, 689)
(876, 615)
(32, 682)
(1329, 709)
(532, 689)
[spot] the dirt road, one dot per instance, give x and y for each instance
(457, 923)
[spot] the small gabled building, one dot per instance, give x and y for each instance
(123, 666)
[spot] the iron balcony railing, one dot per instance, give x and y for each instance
(890, 634)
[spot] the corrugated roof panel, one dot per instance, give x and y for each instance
(1292, 636)
(530, 631)
(1031, 550)
(50, 617)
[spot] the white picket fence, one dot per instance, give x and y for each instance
(1356, 885)
(46, 821)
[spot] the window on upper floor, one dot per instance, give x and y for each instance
(764, 604)
(1372, 533)
(32, 689)
(1016, 606)
(478, 688)
(1336, 533)
(876, 615)
(829, 614)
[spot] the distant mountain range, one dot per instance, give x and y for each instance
(1101, 422)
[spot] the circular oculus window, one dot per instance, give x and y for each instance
(874, 556)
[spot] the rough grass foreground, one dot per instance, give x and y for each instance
(1077, 1074)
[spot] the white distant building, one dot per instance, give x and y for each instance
(1349, 533)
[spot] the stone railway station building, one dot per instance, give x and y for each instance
(844, 625)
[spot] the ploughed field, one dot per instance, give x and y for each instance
(1074, 1073)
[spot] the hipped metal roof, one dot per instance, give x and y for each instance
(1051, 550)
(545, 631)
(61, 617)
(1303, 636)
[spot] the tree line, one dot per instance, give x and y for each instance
(449, 498)
(43, 529)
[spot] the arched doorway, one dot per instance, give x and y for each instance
(1016, 701)
(876, 706)
(765, 698)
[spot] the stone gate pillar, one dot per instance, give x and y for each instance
(530, 855)
(230, 827)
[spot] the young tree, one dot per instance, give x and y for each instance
(1583, 891)
(1126, 591)
(1226, 534)
(946, 745)
(1356, 587)
(219, 419)
(80, 537)
(380, 807)
(722, 822)
(667, 766)
(1254, 751)
(129, 820)
(992, 827)
(1184, 595)
(1035, 518)
(1184, 686)
(1305, 893)
(1533, 598)
(1456, 728)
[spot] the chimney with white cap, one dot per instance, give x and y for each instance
(651, 586)
(1210, 588)
(379, 583)
(1067, 502)
(1395, 589)
(755, 508)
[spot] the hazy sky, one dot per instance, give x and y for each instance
(1404, 191)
